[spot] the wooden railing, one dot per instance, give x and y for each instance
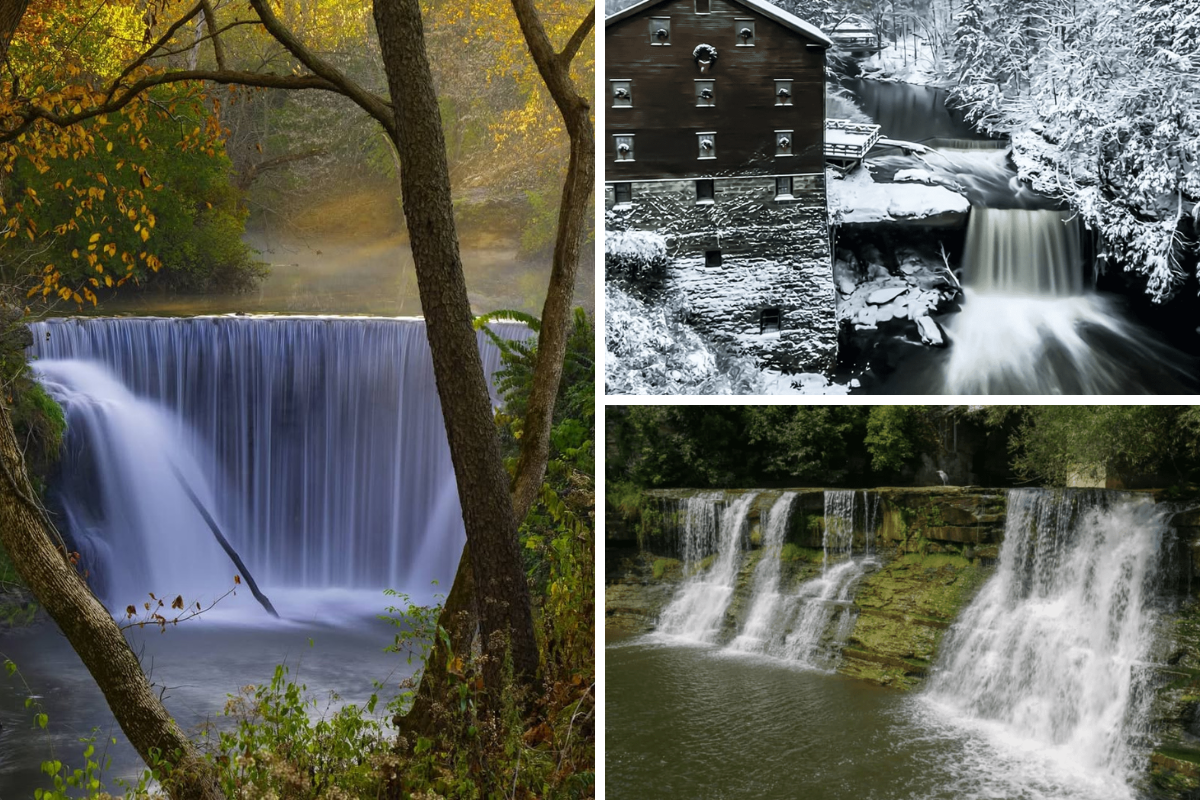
(863, 136)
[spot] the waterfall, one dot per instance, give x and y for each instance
(317, 443)
(839, 524)
(697, 611)
(808, 626)
(765, 599)
(1023, 251)
(1052, 653)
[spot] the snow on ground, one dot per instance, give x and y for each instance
(649, 350)
(919, 289)
(858, 198)
(898, 63)
(804, 383)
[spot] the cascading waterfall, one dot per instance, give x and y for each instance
(697, 612)
(317, 443)
(823, 614)
(1023, 286)
(809, 625)
(839, 524)
(761, 624)
(1051, 656)
(1023, 251)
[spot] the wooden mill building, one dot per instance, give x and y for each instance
(714, 137)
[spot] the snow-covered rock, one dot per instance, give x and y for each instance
(857, 198)
(931, 332)
(881, 296)
(914, 176)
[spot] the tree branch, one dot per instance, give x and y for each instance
(374, 105)
(32, 114)
(577, 38)
(210, 17)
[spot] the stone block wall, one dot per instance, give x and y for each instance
(774, 254)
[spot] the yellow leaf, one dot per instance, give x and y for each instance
(145, 234)
(109, 148)
(95, 237)
(108, 280)
(75, 253)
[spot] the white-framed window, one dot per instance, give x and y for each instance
(623, 142)
(622, 194)
(783, 143)
(660, 30)
(743, 29)
(706, 144)
(783, 187)
(783, 91)
(705, 191)
(706, 93)
(622, 93)
(703, 6)
(770, 320)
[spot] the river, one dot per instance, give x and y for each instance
(1032, 320)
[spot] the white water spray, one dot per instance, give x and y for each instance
(697, 612)
(1051, 656)
(134, 524)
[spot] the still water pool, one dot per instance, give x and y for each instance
(695, 722)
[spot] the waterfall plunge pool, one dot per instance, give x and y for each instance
(696, 722)
(316, 443)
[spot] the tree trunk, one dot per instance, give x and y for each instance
(505, 611)
(573, 214)
(91, 630)
(11, 12)
(459, 619)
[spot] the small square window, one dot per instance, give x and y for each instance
(706, 93)
(744, 29)
(703, 6)
(622, 193)
(712, 258)
(770, 320)
(622, 93)
(624, 145)
(783, 188)
(783, 143)
(783, 92)
(704, 190)
(660, 30)
(707, 144)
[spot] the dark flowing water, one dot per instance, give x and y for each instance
(1028, 322)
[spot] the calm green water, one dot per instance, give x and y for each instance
(695, 722)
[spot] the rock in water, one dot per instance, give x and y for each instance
(931, 332)
(886, 295)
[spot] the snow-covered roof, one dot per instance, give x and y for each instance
(761, 6)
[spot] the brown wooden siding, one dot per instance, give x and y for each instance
(664, 117)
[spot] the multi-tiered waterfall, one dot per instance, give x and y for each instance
(806, 625)
(316, 443)
(1051, 657)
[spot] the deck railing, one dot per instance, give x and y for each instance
(863, 136)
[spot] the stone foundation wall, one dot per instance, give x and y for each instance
(774, 255)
